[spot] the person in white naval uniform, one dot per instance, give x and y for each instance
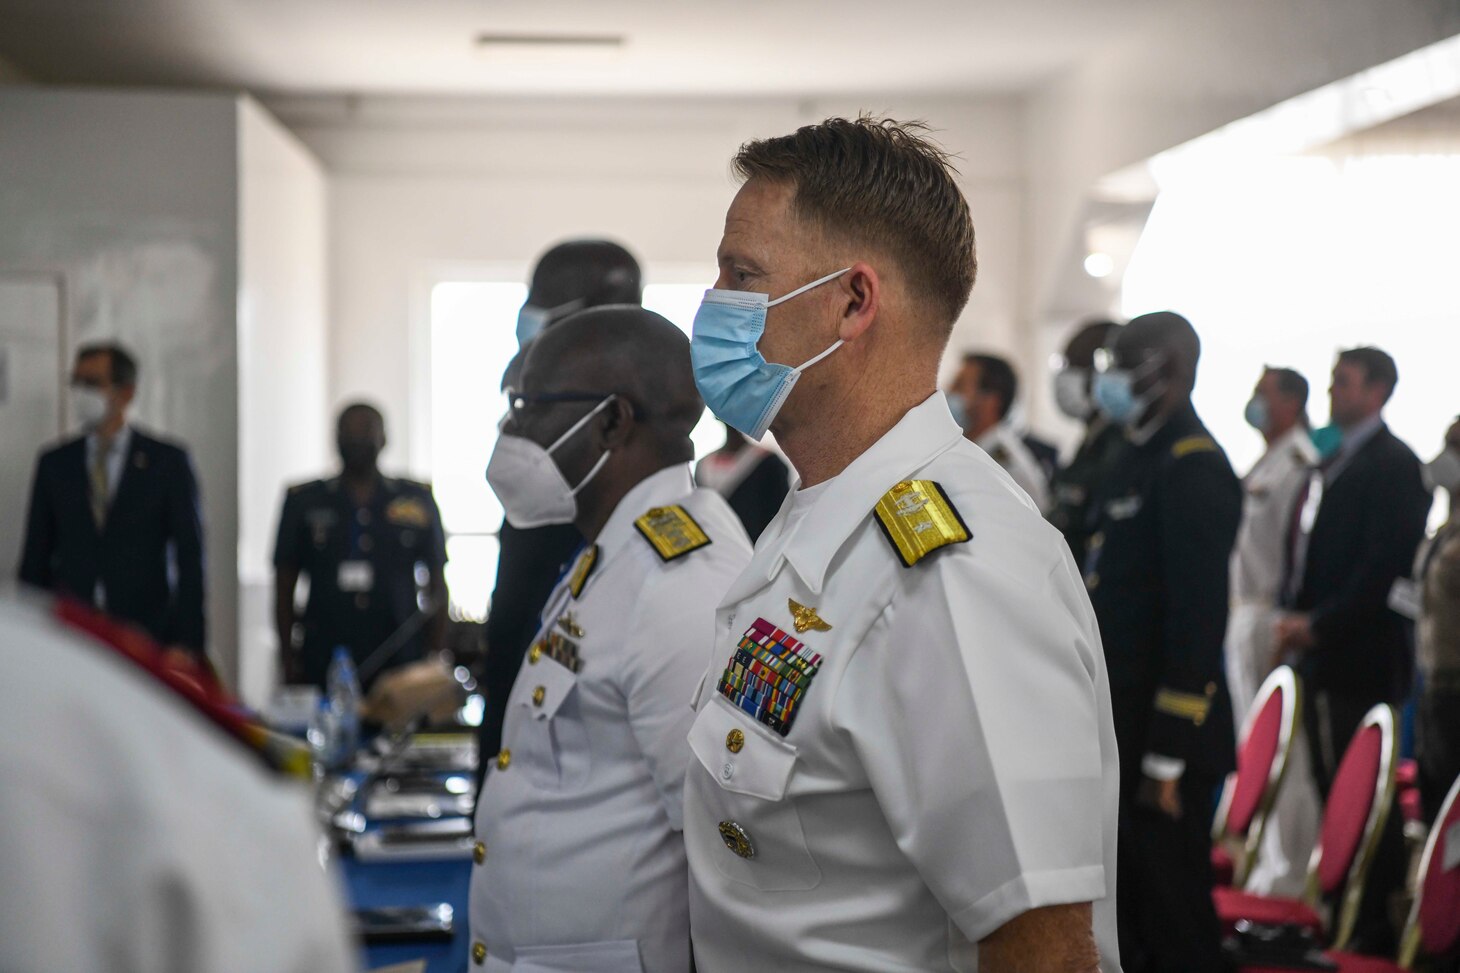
(986, 387)
(1278, 410)
(135, 836)
(580, 858)
(904, 752)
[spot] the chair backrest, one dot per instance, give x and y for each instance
(1262, 761)
(1359, 803)
(1434, 920)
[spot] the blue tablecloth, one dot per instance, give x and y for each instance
(374, 885)
(377, 884)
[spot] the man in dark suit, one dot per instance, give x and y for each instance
(571, 276)
(1166, 516)
(115, 515)
(1355, 530)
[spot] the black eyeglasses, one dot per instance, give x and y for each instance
(519, 402)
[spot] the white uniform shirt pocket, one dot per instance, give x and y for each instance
(763, 844)
(554, 739)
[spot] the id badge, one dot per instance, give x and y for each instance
(356, 576)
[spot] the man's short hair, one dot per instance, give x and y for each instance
(1292, 384)
(996, 377)
(360, 408)
(1378, 368)
(883, 183)
(595, 272)
(121, 362)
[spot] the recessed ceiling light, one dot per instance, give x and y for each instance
(519, 41)
(1099, 265)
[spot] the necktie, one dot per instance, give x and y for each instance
(100, 485)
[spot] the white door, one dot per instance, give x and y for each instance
(32, 345)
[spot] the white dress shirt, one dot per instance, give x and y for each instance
(134, 837)
(949, 766)
(116, 457)
(581, 857)
(1009, 451)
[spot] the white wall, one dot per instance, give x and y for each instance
(131, 196)
(417, 185)
(283, 361)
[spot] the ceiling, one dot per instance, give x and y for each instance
(691, 47)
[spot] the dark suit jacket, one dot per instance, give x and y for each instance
(154, 517)
(1369, 524)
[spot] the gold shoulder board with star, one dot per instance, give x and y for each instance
(1193, 444)
(672, 532)
(918, 518)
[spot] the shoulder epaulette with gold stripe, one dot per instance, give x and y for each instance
(582, 569)
(672, 532)
(918, 518)
(1193, 444)
(1185, 706)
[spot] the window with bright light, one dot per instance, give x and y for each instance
(473, 338)
(1288, 261)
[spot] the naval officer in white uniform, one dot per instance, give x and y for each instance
(1278, 410)
(904, 752)
(580, 857)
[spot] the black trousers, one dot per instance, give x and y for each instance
(1164, 884)
(1331, 721)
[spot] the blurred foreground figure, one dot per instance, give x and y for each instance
(138, 834)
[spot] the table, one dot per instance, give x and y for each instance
(376, 884)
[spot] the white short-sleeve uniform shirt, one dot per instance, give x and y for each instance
(580, 856)
(928, 755)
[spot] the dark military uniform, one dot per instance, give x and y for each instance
(1074, 487)
(362, 564)
(1156, 570)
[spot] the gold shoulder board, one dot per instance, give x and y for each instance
(1193, 444)
(582, 568)
(918, 518)
(672, 532)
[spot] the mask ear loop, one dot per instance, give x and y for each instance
(806, 287)
(573, 429)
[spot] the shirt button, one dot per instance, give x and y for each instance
(534, 655)
(479, 953)
(479, 852)
(735, 741)
(538, 695)
(727, 771)
(1092, 580)
(504, 759)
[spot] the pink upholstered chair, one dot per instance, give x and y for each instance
(1262, 762)
(1359, 804)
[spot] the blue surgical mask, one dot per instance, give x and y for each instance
(1256, 413)
(958, 408)
(1114, 392)
(532, 319)
(740, 387)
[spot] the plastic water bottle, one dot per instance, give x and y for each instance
(324, 737)
(343, 692)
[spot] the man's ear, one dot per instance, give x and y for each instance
(615, 423)
(861, 288)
